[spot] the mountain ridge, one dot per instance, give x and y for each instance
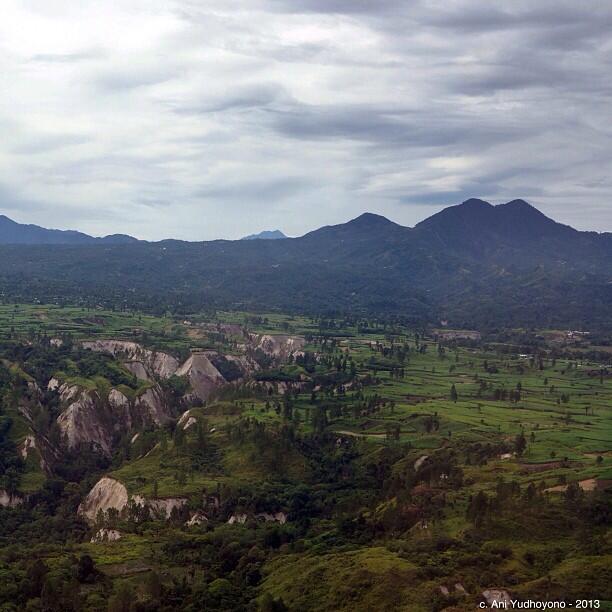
(12, 232)
(472, 264)
(266, 235)
(514, 212)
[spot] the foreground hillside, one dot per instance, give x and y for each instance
(472, 264)
(247, 462)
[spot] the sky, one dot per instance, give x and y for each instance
(200, 119)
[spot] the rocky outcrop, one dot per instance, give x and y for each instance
(268, 517)
(86, 421)
(419, 462)
(156, 364)
(183, 418)
(276, 517)
(237, 519)
(107, 493)
(9, 500)
(67, 392)
(106, 535)
(118, 401)
(278, 345)
(89, 418)
(137, 368)
(233, 367)
(162, 507)
(27, 446)
(186, 420)
(196, 519)
(151, 406)
(203, 376)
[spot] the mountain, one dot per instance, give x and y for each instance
(474, 264)
(476, 225)
(266, 235)
(12, 232)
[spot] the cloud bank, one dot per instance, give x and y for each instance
(210, 119)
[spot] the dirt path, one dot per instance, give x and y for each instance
(355, 434)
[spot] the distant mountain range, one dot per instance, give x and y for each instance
(266, 235)
(474, 264)
(12, 232)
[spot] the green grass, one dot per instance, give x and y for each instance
(360, 580)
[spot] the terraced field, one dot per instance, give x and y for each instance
(373, 467)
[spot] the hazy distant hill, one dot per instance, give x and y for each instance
(473, 264)
(266, 235)
(12, 232)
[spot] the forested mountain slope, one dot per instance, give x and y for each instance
(474, 264)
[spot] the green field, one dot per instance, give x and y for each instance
(375, 444)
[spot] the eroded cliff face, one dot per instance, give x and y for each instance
(203, 376)
(109, 493)
(152, 406)
(140, 360)
(90, 418)
(86, 419)
(281, 346)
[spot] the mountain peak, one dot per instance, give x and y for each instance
(518, 204)
(476, 203)
(476, 224)
(266, 235)
(526, 220)
(369, 219)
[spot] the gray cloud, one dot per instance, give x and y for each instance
(387, 127)
(263, 191)
(67, 58)
(201, 120)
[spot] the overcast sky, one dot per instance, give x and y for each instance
(201, 119)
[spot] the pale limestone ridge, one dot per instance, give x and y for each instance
(203, 376)
(278, 345)
(154, 363)
(109, 493)
(89, 418)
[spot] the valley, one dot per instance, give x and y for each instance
(228, 460)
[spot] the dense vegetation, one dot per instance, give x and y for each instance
(385, 467)
(473, 264)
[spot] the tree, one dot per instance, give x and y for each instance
(86, 571)
(453, 394)
(122, 598)
(520, 444)
(153, 585)
(179, 437)
(36, 578)
(269, 604)
(478, 508)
